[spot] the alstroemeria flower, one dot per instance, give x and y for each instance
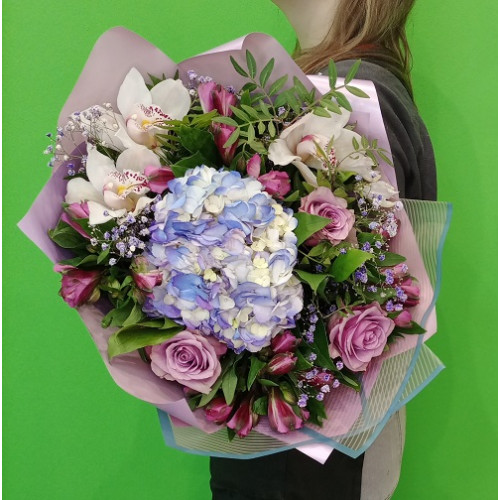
(111, 191)
(298, 143)
(214, 96)
(144, 110)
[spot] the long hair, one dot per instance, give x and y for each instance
(365, 29)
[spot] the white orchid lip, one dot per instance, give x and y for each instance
(145, 123)
(122, 189)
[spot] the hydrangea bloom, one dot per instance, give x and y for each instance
(227, 252)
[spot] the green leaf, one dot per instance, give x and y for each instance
(134, 337)
(206, 398)
(272, 129)
(66, 237)
(87, 261)
(232, 139)
(251, 133)
(251, 64)
(103, 256)
(345, 264)
(199, 141)
(302, 363)
(265, 109)
(384, 157)
(182, 166)
(308, 225)
(250, 86)
(355, 91)
(237, 67)
(319, 111)
(266, 73)
(240, 114)
(251, 111)
(313, 280)
(343, 101)
(331, 106)
(135, 316)
(260, 405)
(226, 120)
(391, 259)
(414, 329)
(295, 196)
(320, 347)
(332, 74)
(261, 127)
(355, 143)
(352, 72)
(300, 88)
(256, 366)
(229, 383)
(267, 382)
(278, 85)
(258, 147)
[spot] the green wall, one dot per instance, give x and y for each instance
(69, 432)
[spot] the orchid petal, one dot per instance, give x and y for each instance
(172, 97)
(306, 173)
(137, 159)
(132, 91)
(142, 202)
(122, 135)
(79, 190)
(280, 153)
(97, 213)
(98, 168)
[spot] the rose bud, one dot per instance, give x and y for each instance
(244, 418)
(218, 411)
(158, 178)
(412, 292)
(213, 96)
(403, 319)
(276, 183)
(78, 286)
(253, 166)
(281, 416)
(145, 277)
(281, 363)
(76, 211)
(284, 342)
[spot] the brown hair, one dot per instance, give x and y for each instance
(365, 29)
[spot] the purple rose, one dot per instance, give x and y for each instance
(359, 337)
(189, 359)
(324, 203)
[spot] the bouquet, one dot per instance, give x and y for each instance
(238, 249)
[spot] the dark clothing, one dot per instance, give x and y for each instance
(286, 476)
(291, 475)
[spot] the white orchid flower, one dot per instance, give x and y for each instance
(144, 110)
(297, 145)
(381, 193)
(112, 191)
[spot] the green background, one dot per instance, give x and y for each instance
(69, 432)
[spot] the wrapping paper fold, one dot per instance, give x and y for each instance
(355, 419)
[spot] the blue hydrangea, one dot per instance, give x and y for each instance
(227, 251)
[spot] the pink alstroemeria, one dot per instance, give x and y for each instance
(78, 286)
(412, 292)
(214, 96)
(244, 418)
(284, 342)
(158, 178)
(221, 135)
(403, 319)
(274, 182)
(144, 276)
(76, 211)
(281, 416)
(281, 363)
(218, 411)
